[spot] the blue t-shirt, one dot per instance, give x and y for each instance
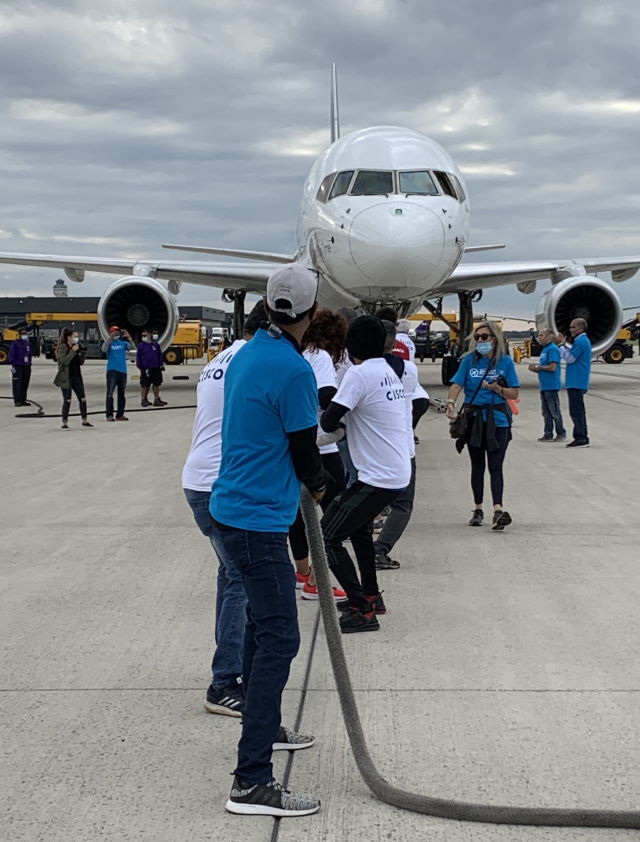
(117, 355)
(550, 380)
(473, 370)
(577, 373)
(269, 391)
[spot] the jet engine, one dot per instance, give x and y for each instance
(584, 297)
(139, 303)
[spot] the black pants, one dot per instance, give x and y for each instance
(77, 386)
(493, 459)
(334, 476)
(116, 380)
(350, 515)
(20, 383)
(399, 516)
(578, 415)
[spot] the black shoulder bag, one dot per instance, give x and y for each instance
(459, 427)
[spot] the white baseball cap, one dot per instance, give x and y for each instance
(292, 290)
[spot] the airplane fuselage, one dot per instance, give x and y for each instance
(385, 218)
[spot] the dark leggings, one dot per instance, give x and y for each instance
(334, 475)
(481, 457)
(76, 384)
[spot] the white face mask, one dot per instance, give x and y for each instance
(155, 335)
(75, 340)
(146, 339)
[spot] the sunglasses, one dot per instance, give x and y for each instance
(482, 337)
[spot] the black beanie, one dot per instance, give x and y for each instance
(365, 338)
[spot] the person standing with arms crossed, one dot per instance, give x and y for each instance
(149, 361)
(549, 378)
(268, 448)
(578, 359)
(20, 362)
(116, 347)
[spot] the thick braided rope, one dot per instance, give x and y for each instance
(382, 789)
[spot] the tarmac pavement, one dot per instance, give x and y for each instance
(505, 671)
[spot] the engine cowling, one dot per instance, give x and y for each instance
(137, 303)
(585, 297)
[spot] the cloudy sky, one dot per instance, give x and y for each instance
(127, 124)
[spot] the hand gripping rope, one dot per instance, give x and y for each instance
(382, 789)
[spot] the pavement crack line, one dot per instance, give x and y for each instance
(303, 697)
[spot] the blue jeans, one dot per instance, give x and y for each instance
(116, 380)
(271, 639)
(350, 470)
(231, 602)
(578, 414)
(550, 402)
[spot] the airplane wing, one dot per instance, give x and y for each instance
(470, 276)
(246, 275)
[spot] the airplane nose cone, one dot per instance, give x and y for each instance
(398, 243)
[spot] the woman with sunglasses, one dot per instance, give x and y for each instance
(488, 378)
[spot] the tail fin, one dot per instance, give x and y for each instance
(335, 113)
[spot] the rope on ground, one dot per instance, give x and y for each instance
(381, 788)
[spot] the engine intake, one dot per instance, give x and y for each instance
(138, 304)
(584, 297)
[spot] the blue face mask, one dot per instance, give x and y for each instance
(484, 348)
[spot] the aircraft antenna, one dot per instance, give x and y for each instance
(335, 113)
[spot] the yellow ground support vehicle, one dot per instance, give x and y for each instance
(6, 338)
(189, 343)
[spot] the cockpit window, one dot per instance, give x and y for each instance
(341, 184)
(418, 182)
(372, 183)
(323, 190)
(459, 190)
(447, 185)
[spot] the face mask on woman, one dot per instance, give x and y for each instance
(484, 348)
(155, 336)
(75, 340)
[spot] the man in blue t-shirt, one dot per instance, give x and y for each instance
(548, 371)
(268, 449)
(116, 347)
(578, 359)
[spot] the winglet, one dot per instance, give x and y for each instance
(335, 113)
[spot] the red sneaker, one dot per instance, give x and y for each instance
(301, 580)
(311, 592)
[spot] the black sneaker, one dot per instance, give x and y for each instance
(377, 603)
(343, 604)
(545, 438)
(384, 562)
(355, 621)
(476, 518)
(145, 402)
(500, 520)
(229, 701)
(270, 799)
(560, 438)
(158, 402)
(288, 740)
(575, 443)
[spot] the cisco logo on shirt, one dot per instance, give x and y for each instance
(482, 372)
(393, 393)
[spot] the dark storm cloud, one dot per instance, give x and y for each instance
(123, 125)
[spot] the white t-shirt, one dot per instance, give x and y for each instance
(408, 342)
(410, 384)
(322, 365)
(420, 392)
(203, 462)
(343, 366)
(376, 424)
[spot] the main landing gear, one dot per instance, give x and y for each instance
(459, 331)
(237, 296)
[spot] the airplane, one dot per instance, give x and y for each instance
(385, 220)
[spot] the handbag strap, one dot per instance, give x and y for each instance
(475, 394)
